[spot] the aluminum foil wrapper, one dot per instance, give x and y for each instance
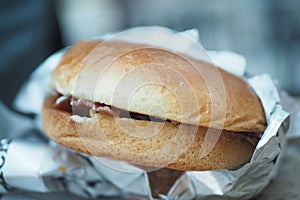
(29, 162)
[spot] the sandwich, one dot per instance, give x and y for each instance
(151, 107)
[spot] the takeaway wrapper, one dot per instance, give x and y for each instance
(32, 163)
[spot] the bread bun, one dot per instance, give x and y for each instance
(203, 117)
(168, 146)
(136, 77)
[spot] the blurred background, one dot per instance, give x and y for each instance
(267, 33)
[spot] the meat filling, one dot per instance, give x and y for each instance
(82, 108)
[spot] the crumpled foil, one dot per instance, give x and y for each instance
(31, 163)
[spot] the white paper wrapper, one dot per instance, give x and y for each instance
(47, 167)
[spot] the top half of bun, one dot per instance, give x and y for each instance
(157, 82)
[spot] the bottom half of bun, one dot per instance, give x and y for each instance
(148, 143)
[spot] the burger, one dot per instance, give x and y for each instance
(151, 107)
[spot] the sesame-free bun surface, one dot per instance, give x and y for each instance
(147, 143)
(156, 82)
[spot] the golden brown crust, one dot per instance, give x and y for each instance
(184, 89)
(181, 147)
